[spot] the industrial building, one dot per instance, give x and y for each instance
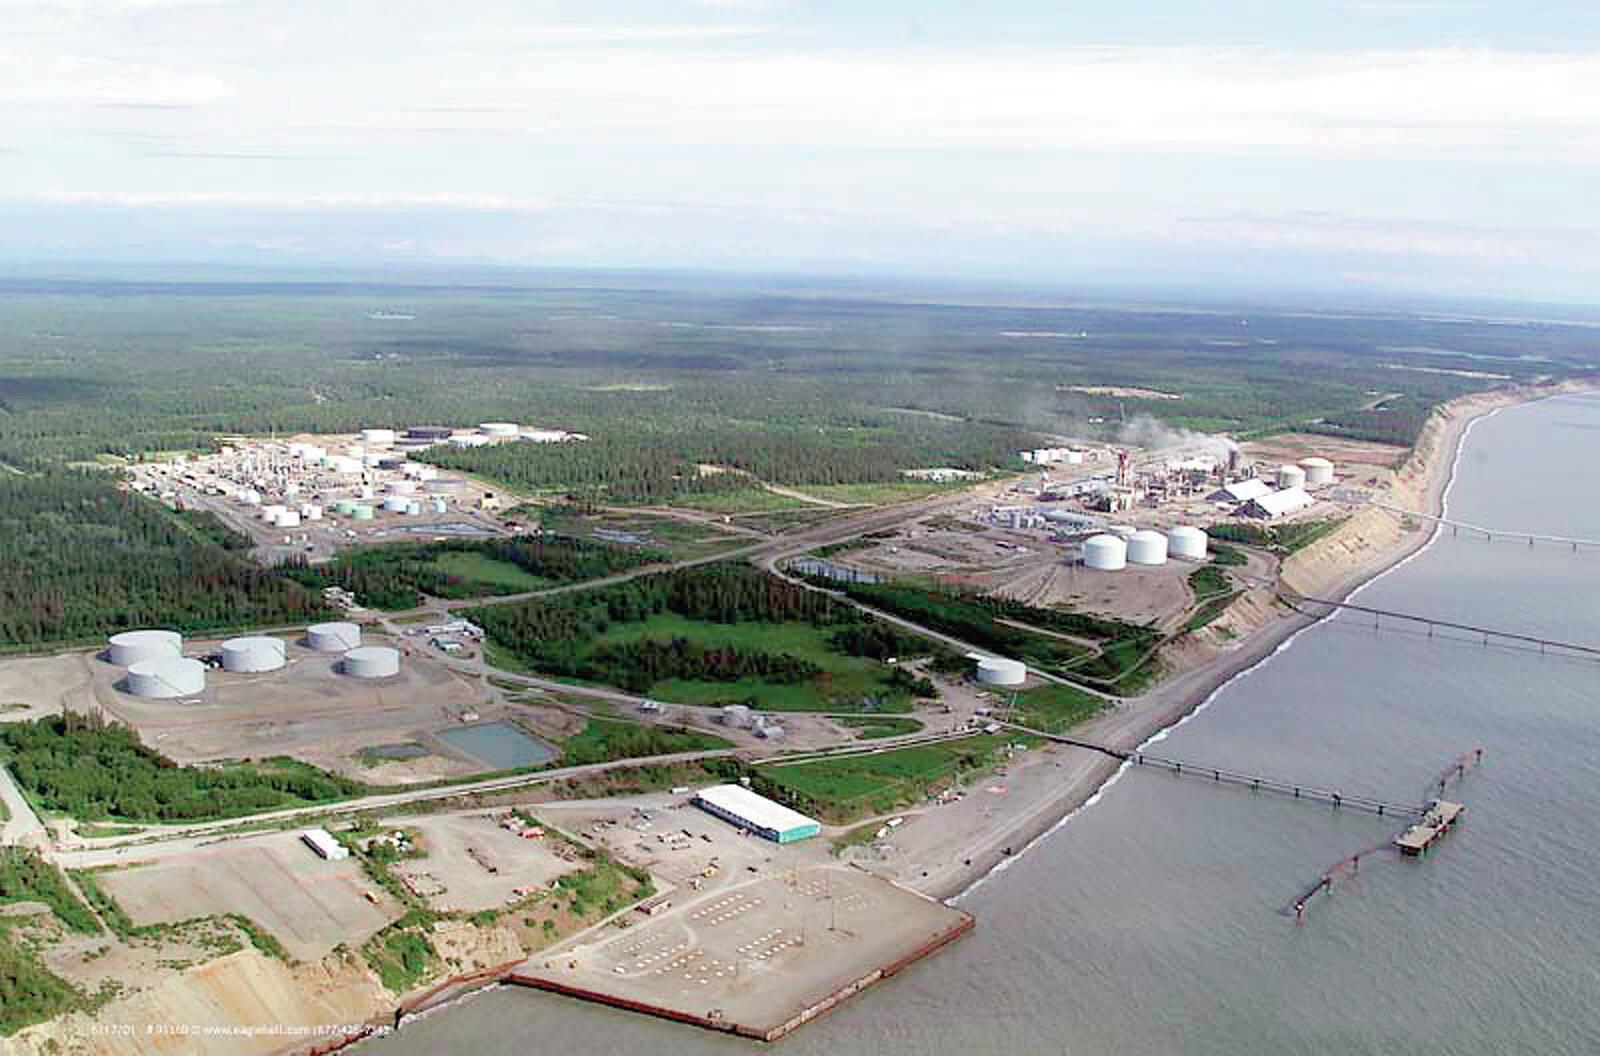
(740, 806)
(1276, 503)
(321, 841)
(1241, 491)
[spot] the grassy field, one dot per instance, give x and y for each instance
(750, 500)
(841, 789)
(845, 679)
(1056, 708)
(494, 574)
(871, 727)
(603, 740)
(881, 493)
(681, 539)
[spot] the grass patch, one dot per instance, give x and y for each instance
(859, 836)
(401, 954)
(603, 740)
(869, 727)
(875, 783)
(29, 992)
(26, 877)
(90, 831)
(476, 569)
(1213, 592)
(1056, 708)
(880, 493)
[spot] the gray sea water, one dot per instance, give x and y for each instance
(1150, 922)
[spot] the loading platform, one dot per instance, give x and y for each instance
(1441, 814)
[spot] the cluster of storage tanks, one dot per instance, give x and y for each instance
(1125, 545)
(157, 667)
(1309, 473)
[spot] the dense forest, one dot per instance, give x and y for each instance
(397, 575)
(93, 771)
(79, 559)
(558, 634)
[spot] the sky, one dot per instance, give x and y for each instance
(1441, 147)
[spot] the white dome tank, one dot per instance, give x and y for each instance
(333, 637)
(396, 503)
(1187, 541)
(377, 437)
(253, 654)
(1291, 476)
(997, 671)
(1318, 471)
(1147, 548)
(501, 430)
(131, 647)
(1105, 552)
(372, 661)
(169, 676)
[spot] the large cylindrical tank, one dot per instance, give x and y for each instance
(131, 647)
(371, 661)
(396, 503)
(1318, 471)
(413, 507)
(1105, 552)
(333, 637)
(439, 506)
(253, 654)
(361, 512)
(1291, 476)
(288, 519)
(468, 440)
(272, 511)
(1147, 548)
(377, 437)
(1187, 541)
(997, 671)
(401, 487)
(343, 465)
(250, 496)
(499, 430)
(311, 512)
(169, 676)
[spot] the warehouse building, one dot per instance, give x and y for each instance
(740, 806)
(1276, 503)
(321, 841)
(1242, 491)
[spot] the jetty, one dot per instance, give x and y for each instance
(1441, 814)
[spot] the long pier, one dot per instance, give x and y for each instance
(1222, 776)
(1491, 534)
(1487, 634)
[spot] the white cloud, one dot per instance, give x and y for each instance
(288, 201)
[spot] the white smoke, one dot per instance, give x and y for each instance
(1154, 435)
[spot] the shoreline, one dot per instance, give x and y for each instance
(1426, 475)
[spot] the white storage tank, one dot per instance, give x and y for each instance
(258, 653)
(439, 506)
(1147, 548)
(377, 437)
(130, 647)
(1291, 476)
(1318, 471)
(251, 497)
(997, 671)
(288, 519)
(1105, 552)
(401, 487)
(333, 637)
(343, 465)
(311, 512)
(168, 676)
(272, 511)
(396, 503)
(1187, 541)
(371, 661)
(500, 430)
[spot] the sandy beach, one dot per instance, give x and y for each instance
(975, 836)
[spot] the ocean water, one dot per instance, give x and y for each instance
(1151, 922)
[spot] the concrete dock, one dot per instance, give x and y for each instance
(758, 959)
(1440, 815)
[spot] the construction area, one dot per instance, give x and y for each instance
(759, 958)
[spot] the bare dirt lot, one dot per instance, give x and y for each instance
(461, 851)
(759, 953)
(309, 904)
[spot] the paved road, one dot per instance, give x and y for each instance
(23, 825)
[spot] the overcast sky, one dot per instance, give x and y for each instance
(1444, 146)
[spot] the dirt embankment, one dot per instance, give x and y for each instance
(247, 1003)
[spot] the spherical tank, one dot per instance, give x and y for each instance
(1187, 541)
(252, 654)
(996, 671)
(1147, 548)
(1318, 470)
(169, 676)
(1105, 552)
(131, 647)
(372, 661)
(333, 637)
(1291, 476)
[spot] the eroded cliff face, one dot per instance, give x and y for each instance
(248, 1003)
